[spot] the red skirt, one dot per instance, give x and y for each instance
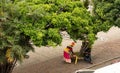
(66, 55)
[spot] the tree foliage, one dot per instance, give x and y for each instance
(40, 22)
(107, 13)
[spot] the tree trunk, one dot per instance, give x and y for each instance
(85, 52)
(83, 47)
(7, 67)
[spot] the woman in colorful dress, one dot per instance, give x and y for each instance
(68, 53)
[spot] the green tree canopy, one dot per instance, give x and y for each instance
(40, 21)
(107, 13)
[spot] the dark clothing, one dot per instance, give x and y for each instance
(83, 48)
(85, 51)
(87, 55)
(71, 50)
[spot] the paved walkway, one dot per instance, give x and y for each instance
(49, 60)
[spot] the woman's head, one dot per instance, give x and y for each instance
(72, 44)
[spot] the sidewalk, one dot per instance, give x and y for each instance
(49, 60)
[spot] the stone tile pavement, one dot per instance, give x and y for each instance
(49, 59)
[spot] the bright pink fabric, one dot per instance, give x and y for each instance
(66, 55)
